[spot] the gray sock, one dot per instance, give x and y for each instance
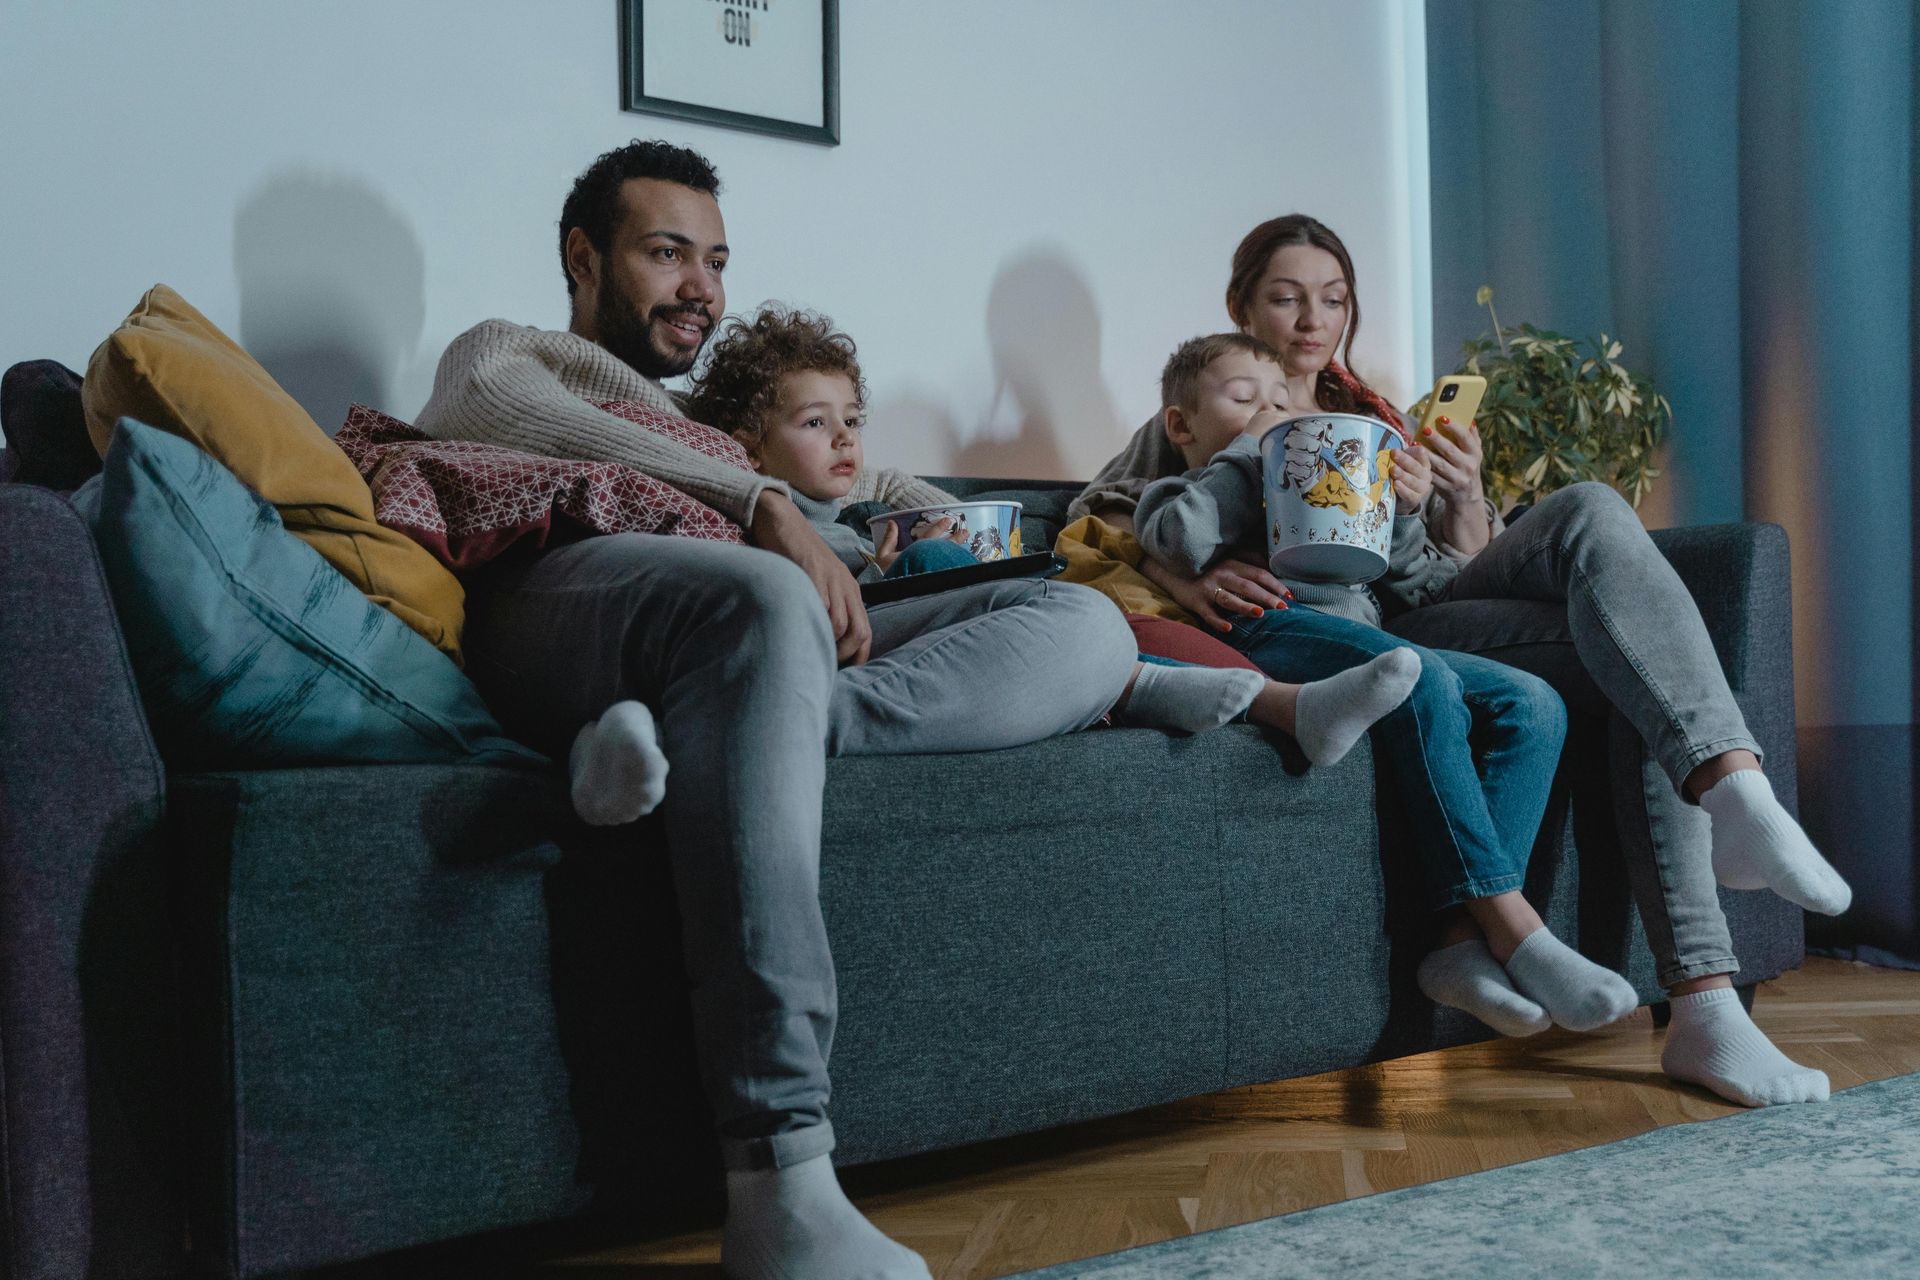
(1332, 713)
(797, 1224)
(616, 771)
(1576, 993)
(1189, 699)
(1466, 976)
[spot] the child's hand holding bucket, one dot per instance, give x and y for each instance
(1262, 422)
(887, 549)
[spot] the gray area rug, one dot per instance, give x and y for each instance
(1828, 1190)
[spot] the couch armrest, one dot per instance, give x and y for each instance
(1740, 578)
(86, 1024)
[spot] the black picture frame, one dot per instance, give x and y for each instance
(634, 95)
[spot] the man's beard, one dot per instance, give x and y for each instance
(629, 335)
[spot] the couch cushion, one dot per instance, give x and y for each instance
(45, 426)
(377, 1030)
(469, 502)
(169, 366)
(250, 649)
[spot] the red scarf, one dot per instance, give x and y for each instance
(1350, 390)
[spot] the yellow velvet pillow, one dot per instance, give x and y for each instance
(170, 367)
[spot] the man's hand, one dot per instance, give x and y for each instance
(779, 527)
(1230, 587)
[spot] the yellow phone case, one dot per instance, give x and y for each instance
(1460, 406)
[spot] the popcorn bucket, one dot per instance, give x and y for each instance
(988, 531)
(1329, 499)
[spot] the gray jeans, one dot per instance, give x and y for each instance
(730, 647)
(1576, 593)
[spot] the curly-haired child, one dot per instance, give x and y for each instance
(788, 386)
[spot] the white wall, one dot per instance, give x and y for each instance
(1033, 202)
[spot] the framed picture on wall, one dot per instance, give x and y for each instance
(770, 66)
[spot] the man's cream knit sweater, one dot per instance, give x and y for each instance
(539, 391)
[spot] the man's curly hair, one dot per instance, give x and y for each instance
(737, 390)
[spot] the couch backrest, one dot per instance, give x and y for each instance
(88, 1176)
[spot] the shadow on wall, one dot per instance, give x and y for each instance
(1043, 331)
(333, 295)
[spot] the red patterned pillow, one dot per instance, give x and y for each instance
(467, 502)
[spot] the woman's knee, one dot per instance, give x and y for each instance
(1592, 510)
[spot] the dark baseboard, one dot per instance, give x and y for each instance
(1857, 803)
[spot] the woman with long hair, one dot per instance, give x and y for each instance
(1578, 592)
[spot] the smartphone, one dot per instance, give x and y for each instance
(1456, 397)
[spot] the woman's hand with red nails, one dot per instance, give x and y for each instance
(1412, 478)
(1232, 588)
(1456, 457)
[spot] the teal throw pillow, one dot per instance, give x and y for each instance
(250, 650)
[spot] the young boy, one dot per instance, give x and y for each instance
(787, 385)
(1471, 754)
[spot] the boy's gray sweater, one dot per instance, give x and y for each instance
(854, 551)
(888, 486)
(1191, 521)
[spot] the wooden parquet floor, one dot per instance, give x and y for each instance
(1252, 1153)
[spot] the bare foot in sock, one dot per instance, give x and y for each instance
(1576, 993)
(1758, 845)
(1465, 976)
(1188, 699)
(797, 1224)
(1714, 1044)
(1332, 713)
(616, 768)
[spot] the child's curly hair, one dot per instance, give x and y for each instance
(737, 390)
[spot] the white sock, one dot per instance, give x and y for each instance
(616, 768)
(1576, 993)
(1758, 845)
(1466, 976)
(1714, 1044)
(1332, 713)
(797, 1224)
(1189, 699)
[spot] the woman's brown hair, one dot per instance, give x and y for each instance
(1256, 251)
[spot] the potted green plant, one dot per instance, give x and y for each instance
(1560, 410)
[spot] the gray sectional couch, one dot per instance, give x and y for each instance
(299, 1016)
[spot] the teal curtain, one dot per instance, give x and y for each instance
(1728, 187)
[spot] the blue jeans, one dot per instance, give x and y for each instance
(930, 555)
(1578, 593)
(1471, 752)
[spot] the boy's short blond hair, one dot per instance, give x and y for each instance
(740, 386)
(1180, 380)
